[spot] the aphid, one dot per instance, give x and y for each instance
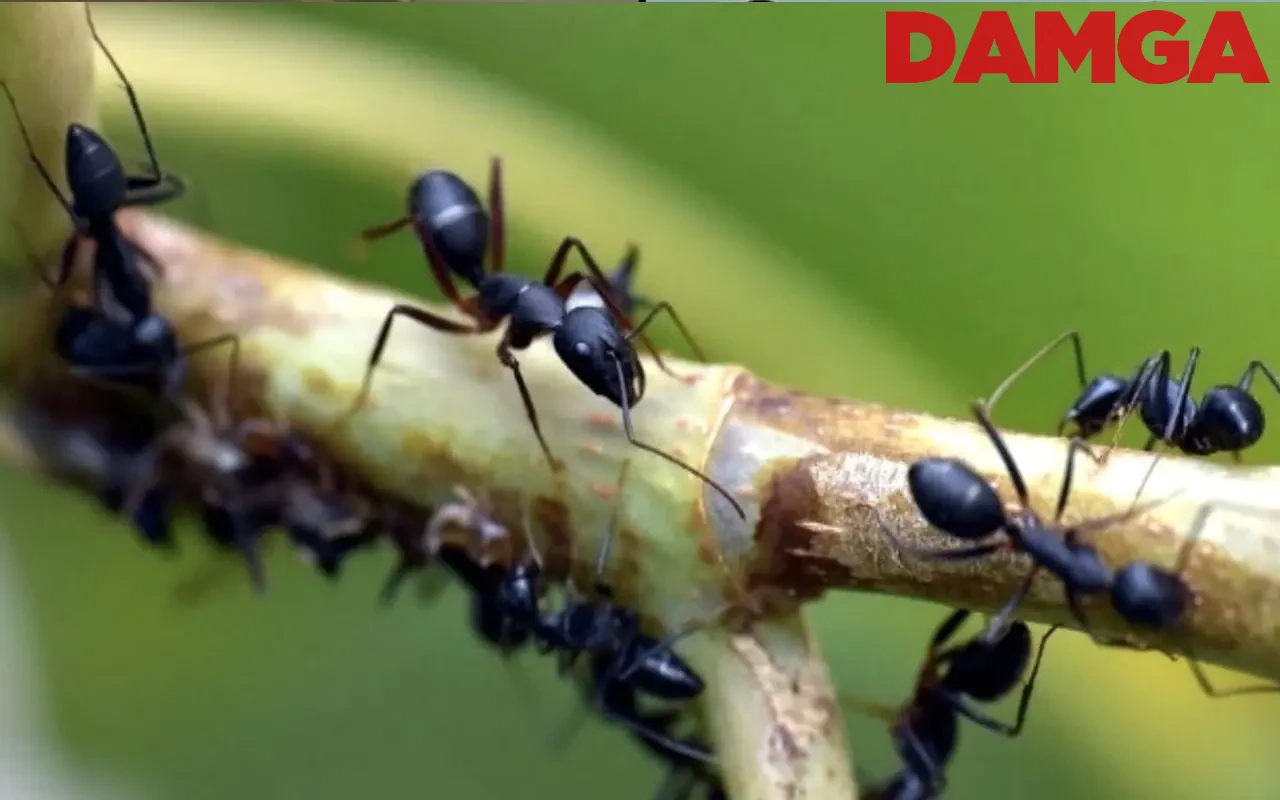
(1228, 419)
(456, 233)
(116, 336)
(238, 472)
(956, 500)
(621, 282)
(952, 679)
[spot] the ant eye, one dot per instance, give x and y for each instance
(581, 348)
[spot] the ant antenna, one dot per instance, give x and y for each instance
(631, 437)
(128, 88)
(35, 160)
(606, 546)
(526, 525)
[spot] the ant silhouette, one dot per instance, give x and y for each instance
(1227, 419)
(955, 499)
(117, 336)
(621, 283)
(983, 669)
(456, 233)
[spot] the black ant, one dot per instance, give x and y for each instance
(622, 657)
(954, 498)
(1227, 419)
(621, 282)
(982, 670)
(456, 234)
(117, 336)
(688, 759)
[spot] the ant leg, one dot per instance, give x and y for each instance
(245, 541)
(222, 403)
(998, 624)
(982, 414)
(1212, 691)
(604, 287)
(1024, 701)
(1246, 381)
(657, 309)
(1140, 392)
(1075, 445)
(425, 318)
(948, 629)
(631, 437)
(509, 361)
(930, 554)
(624, 279)
(602, 560)
(35, 160)
(386, 229)
(497, 215)
(1184, 388)
(1013, 377)
(149, 191)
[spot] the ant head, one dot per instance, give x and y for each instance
(1149, 597)
(952, 497)
(1096, 404)
(987, 670)
(599, 355)
(446, 209)
(94, 173)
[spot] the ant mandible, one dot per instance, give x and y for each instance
(117, 336)
(983, 670)
(1228, 418)
(455, 233)
(955, 499)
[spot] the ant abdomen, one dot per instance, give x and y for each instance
(588, 339)
(94, 173)
(1230, 419)
(1148, 597)
(987, 671)
(955, 499)
(448, 211)
(664, 674)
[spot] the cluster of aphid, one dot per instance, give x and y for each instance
(952, 497)
(158, 455)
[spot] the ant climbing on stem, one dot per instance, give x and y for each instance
(981, 670)
(1228, 419)
(955, 499)
(116, 336)
(456, 235)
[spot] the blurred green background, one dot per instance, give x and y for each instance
(905, 244)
